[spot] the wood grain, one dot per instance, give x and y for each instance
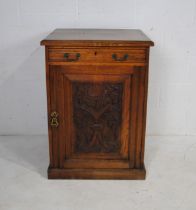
(97, 37)
(118, 134)
(94, 55)
(129, 174)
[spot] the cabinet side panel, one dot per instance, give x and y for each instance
(48, 108)
(140, 119)
(133, 118)
(145, 107)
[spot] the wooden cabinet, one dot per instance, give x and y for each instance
(97, 94)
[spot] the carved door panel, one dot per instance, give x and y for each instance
(94, 117)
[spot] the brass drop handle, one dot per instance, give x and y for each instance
(54, 119)
(67, 55)
(123, 58)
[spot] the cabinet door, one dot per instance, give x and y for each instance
(93, 106)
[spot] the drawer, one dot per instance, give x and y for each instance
(97, 55)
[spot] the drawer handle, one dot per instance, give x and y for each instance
(124, 58)
(77, 56)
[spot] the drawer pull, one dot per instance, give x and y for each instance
(124, 58)
(66, 56)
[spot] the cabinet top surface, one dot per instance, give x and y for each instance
(97, 37)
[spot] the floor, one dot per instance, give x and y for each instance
(170, 182)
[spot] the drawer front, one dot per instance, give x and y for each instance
(97, 55)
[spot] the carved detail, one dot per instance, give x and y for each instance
(97, 113)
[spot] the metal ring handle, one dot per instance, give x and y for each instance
(124, 58)
(77, 56)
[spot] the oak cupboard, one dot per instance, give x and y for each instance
(97, 81)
